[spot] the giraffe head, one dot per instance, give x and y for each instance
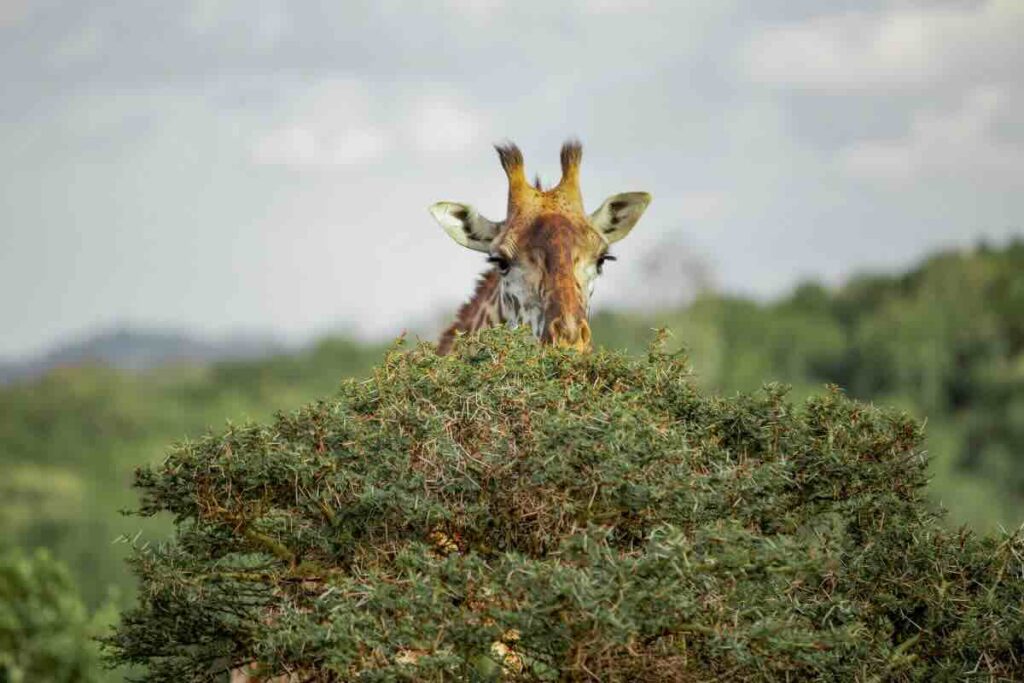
(548, 251)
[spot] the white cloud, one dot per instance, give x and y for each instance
(481, 9)
(259, 24)
(83, 45)
(13, 12)
(439, 126)
(954, 143)
(328, 123)
(289, 145)
(904, 46)
(301, 146)
(344, 122)
(357, 145)
(272, 22)
(204, 16)
(614, 6)
(700, 206)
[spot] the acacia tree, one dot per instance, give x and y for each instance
(515, 511)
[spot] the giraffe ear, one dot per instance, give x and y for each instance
(619, 213)
(465, 225)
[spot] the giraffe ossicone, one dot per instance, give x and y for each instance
(545, 255)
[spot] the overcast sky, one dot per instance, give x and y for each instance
(224, 165)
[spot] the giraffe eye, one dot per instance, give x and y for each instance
(501, 262)
(601, 261)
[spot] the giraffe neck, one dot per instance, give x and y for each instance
(485, 309)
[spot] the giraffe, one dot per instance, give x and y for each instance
(544, 259)
(545, 255)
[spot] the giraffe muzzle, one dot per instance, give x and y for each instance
(569, 333)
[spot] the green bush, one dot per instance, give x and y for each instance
(536, 513)
(46, 634)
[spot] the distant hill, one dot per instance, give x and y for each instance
(140, 349)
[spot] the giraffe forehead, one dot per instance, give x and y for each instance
(555, 236)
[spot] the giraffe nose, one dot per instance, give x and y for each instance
(570, 333)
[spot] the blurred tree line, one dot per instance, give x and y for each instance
(944, 341)
(45, 631)
(69, 443)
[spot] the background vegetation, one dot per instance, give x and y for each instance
(944, 341)
(46, 633)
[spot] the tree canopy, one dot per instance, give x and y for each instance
(535, 513)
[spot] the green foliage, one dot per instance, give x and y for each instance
(45, 631)
(945, 341)
(546, 514)
(70, 441)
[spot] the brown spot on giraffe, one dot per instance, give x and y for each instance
(546, 253)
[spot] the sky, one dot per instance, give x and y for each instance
(229, 165)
